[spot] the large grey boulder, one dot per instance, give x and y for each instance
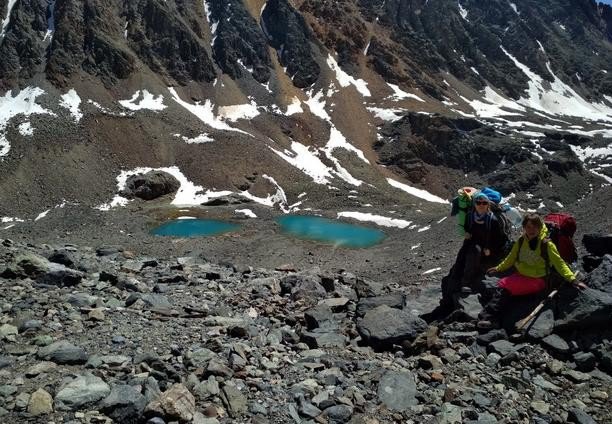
(393, 300)
(63, 352)
(151, 185)
(397, 390)
(384, 325)
(587, 309)
(83, 390)
(124, 404)
(601, 277)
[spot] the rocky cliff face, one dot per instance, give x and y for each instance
(431, 89)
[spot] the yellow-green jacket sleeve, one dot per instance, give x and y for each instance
(510, 259)
(560, 265)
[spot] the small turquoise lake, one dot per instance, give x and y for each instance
(194, 228)
(330, 231)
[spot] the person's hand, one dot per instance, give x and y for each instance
(491, 270)
(468, 236)
(579, 285)
(487, 252)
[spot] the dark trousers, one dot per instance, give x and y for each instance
(468, 271)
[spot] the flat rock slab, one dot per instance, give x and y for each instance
(63, 352)
(393, 300)
(385, 325)
(85, 389)
(502, 347)
(124, 403)
(542, 326)
(397, 390)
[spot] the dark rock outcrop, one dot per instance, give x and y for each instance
(151, 185)
(238, 38)
(289, 34)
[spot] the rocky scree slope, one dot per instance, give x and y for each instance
(106, 335)
(252, 78)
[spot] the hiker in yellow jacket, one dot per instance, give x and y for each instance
(530, 263)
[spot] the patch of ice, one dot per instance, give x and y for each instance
(441, 220)
(7, 19)
(345, 79)
(417, 192)
(560, 205)
(420, 230)
(463, 12)
(390, 115)
(72, 102)
(24, 103)
(513, 6)
(307, 161)
(50, 21)
(383, 221)
(493, 105)
(203, 112)
(416, 246)
(560, 99)
(399, 94)
(6, 219)
(233, 113)
(202, 138)
(147, 101)
(26, 129)
(42, 215)
(186, 217)
(249, 213)
(430, 271)
(272, 199)
(338, 141)
(294, 107)
(316, 104)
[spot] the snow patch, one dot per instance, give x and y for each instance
(345, 79)
(417, 192)
(430, 271)
(233, 113)
(383, 221)
(202, 138)
(390, 115)
(26, 129)
(72, 101)
(307, 161)
(203, 112)
(294, 107)
(399, 94)
(42, 215)
(147, 101)
(249, 213)
(24, 103)
(7, 20)
(463, 12)
(338, 141)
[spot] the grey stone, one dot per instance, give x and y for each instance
(385, 325)
(83, 390)
(319, 339)
(41, 403)
(175, 403)
(502, 347)
(21, 401)
(393, 300)
(491, 336)
(199, 358)
(449, 414)
(470, 306)
(578, 416)
(555, 343)
(207, 389)
(234, 400)
(123, 404)
(82, 300)
(61, 276)
(40, 368)
(320, 316)
(397, 390)
(542, 325)
(540, 381)
(338, 413)
(585, 361)
(63, 352)
(583, 309)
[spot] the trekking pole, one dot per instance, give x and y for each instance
(522, 323)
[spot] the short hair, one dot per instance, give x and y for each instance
(533, 218)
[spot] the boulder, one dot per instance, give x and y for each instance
(393, 300)
(63, 352)
(151, 185)
(83, 390)
(397, 390)
(177, 403)
(234, 400)
(586, 309)
(384, 325)
(598, 244)
(542, 325)
(59, 275)
(124, 404)
(601, 277)
(40, 403)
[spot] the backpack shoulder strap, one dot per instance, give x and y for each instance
(544, 253)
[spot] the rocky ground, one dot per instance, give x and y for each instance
(114, 325)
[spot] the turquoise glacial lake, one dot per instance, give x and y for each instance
(194, 228)
(330, 231)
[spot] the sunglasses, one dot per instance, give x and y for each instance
(482, 203)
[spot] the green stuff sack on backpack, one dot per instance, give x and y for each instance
(461, 205)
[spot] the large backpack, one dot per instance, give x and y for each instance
(561, 230)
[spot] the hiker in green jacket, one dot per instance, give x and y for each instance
(531, 256)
